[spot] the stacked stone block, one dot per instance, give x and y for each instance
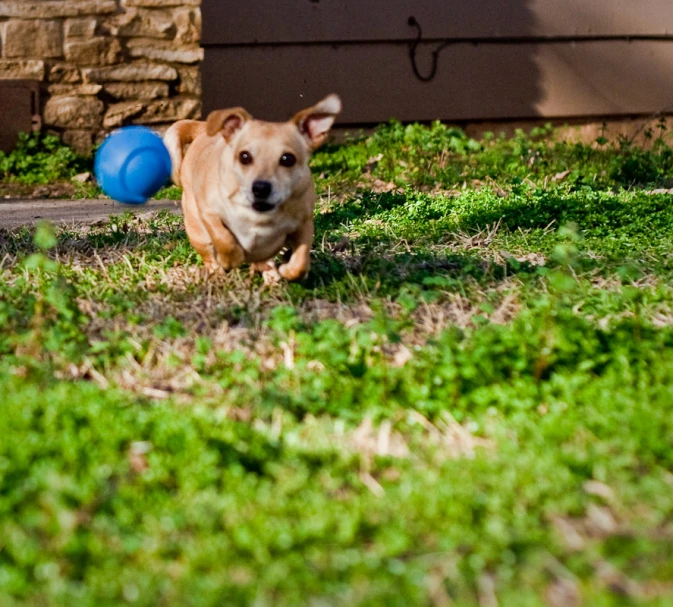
(105, 63)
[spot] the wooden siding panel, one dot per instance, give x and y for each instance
(473, 82)
(18, 110)
(299, 21)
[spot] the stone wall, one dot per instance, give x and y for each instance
(105, 63)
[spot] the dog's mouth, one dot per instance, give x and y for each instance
(261, 206)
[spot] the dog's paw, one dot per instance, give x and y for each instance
(262, 266)
(268, 271)
(212, 267)
(271, 276)
(292, 273)
(231, 259)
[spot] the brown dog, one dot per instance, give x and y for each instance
(247, 186)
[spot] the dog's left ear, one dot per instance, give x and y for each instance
(315, 122)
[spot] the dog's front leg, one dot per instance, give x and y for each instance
(228, 252)
(300, 262)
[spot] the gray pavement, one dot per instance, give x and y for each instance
(16, 212)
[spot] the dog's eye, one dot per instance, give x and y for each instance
(288, 160)
(245, 158)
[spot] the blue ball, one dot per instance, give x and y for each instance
(132, 164)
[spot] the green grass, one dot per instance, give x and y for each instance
(40, 159)
(468, 402)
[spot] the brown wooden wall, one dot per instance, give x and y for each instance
(501, 59)
(19, 110)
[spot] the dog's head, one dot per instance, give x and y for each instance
(269, 159)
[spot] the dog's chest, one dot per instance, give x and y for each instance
(260, 237)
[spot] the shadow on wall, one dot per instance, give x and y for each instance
(495, 59)
(408, 59)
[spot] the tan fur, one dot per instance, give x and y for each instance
(222, 215)
(179, 135)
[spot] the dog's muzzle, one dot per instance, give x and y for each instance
(261, 190)
(261, 206)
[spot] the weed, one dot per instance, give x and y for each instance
(41, 159)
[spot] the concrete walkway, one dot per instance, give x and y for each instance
(15, 213)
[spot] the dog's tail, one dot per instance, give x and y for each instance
(176, 138)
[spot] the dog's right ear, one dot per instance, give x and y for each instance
(226, 122)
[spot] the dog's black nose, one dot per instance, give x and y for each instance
(261, 189)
